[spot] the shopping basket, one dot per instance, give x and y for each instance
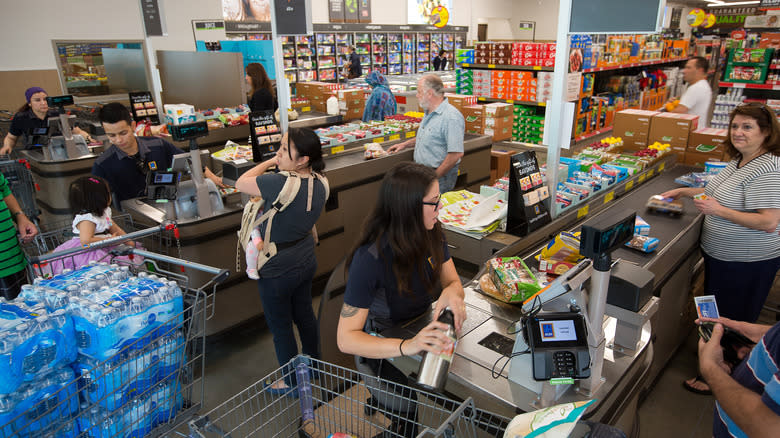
(150, 386)
(331, 399)
(20, 181)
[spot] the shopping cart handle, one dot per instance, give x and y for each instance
(221, 274)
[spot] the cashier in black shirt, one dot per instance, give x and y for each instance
(129, 158)
(32, 115)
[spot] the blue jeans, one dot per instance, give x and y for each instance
(447, 182)
(286, 300)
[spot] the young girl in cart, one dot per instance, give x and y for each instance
(90, 198)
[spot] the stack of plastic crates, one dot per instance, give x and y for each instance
(111, 349)
(328, 399)
(20, 181)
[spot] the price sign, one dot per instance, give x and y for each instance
(609, 197)
(629, 185)
(583, 211)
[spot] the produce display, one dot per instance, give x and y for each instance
(356, 131)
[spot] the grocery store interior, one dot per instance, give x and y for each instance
(570, 125)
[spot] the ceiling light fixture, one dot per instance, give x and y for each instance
(720, 3)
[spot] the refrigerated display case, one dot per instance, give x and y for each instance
(408, 53)
(306, 58)
(423, 57)
(326, 56)
(436, 44)
(379, 52)
(394, 53)
(449, 46)
(343, 43)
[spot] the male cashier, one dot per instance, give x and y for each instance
(747, 396)
(439, 140)
(698, 97)
(125, 163)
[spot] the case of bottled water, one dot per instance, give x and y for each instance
(41, 407)
(33, 342)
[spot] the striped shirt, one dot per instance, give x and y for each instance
(756, 185)
(11, 257)
(760, 374)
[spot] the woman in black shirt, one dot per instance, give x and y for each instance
(262, 95)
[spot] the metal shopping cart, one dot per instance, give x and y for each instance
(149, 387)
(330, 399)
(22, 185)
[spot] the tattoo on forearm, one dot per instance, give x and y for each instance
(347, 310)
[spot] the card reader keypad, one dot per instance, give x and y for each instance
(564, 364)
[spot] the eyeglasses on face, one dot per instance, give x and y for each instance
(435, 204)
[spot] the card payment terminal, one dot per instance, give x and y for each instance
(558, 344)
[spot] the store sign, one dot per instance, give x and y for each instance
(440, 16)
(769, 4)
(763, 21)
(240, 10)
(150, 9)
(265, 134)
(336, 11)
(293, 17)
(142, 107)
(364, 11)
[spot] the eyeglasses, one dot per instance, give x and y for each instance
(435, 204)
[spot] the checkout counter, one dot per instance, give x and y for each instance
(636, 343)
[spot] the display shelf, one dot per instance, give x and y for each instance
(749, 86)
(774, 66)
(513, 102)
(603, 130)
(507, 67)
(635, 64)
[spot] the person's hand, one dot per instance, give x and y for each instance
(711, 354)
(217, 180)
(674, 193)
(708, 206)
(453, 300)
(5, 150)
(27, 229)
(398, 147)
(432, 337)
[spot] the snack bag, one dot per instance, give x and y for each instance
(512, 279)
(553, 422)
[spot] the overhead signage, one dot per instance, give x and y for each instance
(336, 11)
(364, 11)
(247, 27)
(351, 11)
(240, 10)
(422, 11)
(153, 26)
(762, 21)
(769, 4)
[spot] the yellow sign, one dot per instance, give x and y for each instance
(709, 21)
(336, 149)
(440, 16)
(411, 134)
(661, 167)
(696, 17)
(491, 66)
(394, 137)
(609, 197)
(537, 67)
(583, 211)
(641, 178)
(379, 140)
(306, 109)
(650, 173)
(629, 185)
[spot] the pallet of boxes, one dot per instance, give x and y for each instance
(317, 94)
(642, 129)
(493, 119)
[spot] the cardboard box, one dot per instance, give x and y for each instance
(672, 128)
(710, 136)
(634, 127)
(474, 116)
(353, 114)
(693, 158)
(460, 100)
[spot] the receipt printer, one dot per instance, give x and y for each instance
(558, 344)
(630, 286)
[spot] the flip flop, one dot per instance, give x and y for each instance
(695, 390)
(289, 391)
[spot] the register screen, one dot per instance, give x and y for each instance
(554, 331)
(163, 178)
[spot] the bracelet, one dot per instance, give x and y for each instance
(17, 213)
(399, 347)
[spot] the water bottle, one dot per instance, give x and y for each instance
(434, 367)
(304, 392)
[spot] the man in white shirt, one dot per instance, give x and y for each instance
(697, 97)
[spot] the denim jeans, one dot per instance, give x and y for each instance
(447, 182)
(286, 300)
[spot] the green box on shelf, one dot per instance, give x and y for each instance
(749, 66)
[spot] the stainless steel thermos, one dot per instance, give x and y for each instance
(434, 367)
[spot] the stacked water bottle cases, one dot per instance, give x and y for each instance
(96, 352)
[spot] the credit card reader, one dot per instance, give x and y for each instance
(558, 344)
(162, 185)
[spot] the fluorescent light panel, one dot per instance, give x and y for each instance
(721, 3)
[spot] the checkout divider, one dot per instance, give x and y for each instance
(653, 332)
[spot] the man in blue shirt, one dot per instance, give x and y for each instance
(747, 397)
(439, 139)
(126, 162)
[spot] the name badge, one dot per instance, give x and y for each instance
(153, 165)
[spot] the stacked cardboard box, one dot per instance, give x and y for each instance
(527, 126)
(533, 54)
(352, 102)
(498, 120)
(633, 126)
(474, 116)
(317, 93)
(464, 56)
(672, 129)
(501, 53)
(482, 53)
(522, 86)
(706, 144)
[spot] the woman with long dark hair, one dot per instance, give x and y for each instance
(262, 96)
(401, 265)
(286, 278)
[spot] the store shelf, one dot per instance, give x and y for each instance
(774, 66)
(513, 102)
(635, 64)
(506, 67)
(593, 134)
(749, 86)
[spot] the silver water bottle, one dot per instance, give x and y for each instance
(434, 367)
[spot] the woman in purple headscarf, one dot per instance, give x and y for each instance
(382, 102)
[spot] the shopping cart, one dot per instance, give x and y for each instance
(330, 399)
(150, 386)
(20, 181)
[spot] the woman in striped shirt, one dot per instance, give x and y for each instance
(740, 240)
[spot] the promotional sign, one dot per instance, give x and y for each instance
(364, 11)
(265, 133)
(246, 10)
(696, 17)
(153, 26)
(351, 11)
(336, 11)
(526, 210)
(763, 21)
(143, 108)
(440, 16)
(293, 17)
(709, 21)
(422, 11)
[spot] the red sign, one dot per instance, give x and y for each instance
(738, 35)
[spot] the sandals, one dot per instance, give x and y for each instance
(695, 390)
(289, 391)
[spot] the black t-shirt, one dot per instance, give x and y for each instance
(262, 100)
(372, 285)
(24, 122)
(355, 69)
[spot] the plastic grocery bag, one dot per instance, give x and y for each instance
(553, 422)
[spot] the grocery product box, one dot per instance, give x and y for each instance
(698, 155)
(672, 128)
(707, 136)
(474, 116)
(460, 100)
(499, 133)
(177, 114)
(634, 127)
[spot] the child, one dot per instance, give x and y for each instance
(90, 198)
(253, 247)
